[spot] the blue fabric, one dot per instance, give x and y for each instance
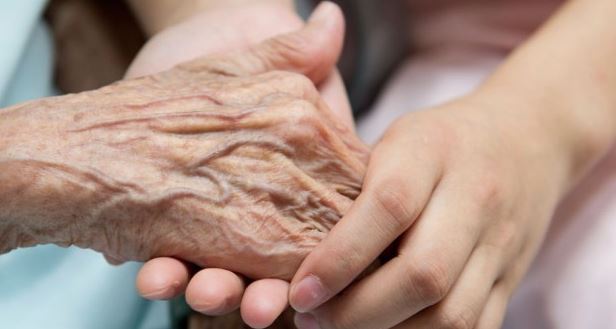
(49, 286)
(19, 26)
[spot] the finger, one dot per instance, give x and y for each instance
(494, 312)
(214, 291)
(334, 94)
(162, 278)
(311, 51)
(466, 300)
(264, 300)
(156, 56)
(386, 207)
(432, 255)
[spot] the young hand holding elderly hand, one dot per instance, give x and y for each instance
(462, 193)
(465, 192)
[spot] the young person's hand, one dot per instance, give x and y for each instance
(464, 192)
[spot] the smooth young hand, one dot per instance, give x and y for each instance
(465, 191)
(465, 201)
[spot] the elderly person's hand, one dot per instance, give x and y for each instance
(219, 30)
(230, 160)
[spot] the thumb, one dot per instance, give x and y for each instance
(311, 51)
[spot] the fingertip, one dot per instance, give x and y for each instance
(263, 302)
(162, 278)
(215, 291)
(307, 294)
(326, 13)
(327, 28)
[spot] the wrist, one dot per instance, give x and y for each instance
(584, 119)
(11, 232)
(33, 204)
(17, 217)
(568, 87)
(547, 127)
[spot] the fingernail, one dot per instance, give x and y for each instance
(322, 12)
(305, 321)
(308, 294)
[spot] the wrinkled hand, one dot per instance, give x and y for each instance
(223, 161)
(464, 192)
(216, 291)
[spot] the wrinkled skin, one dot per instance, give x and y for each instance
(203, 163)
(312, 50)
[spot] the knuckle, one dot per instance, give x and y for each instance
(303, 125)
(298, 85)
(297, 112)
(345, 260)
(306, 115)
(464, 319)
(393, 199)
(498, 242)
(430, 281)
(300, 80)
(488, 192)
(507, 235)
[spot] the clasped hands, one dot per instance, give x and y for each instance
(454, 191)
(235, 161)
